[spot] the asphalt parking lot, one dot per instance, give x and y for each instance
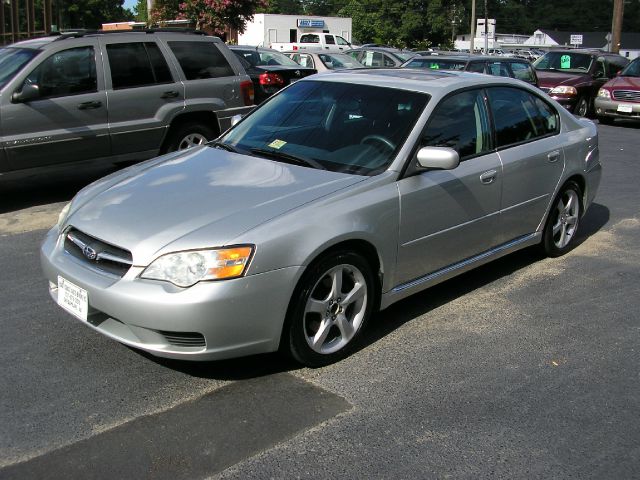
(527, 367)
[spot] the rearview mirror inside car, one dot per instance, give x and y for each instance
(30, 91)
(441, 158)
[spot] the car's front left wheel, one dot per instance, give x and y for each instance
(331, 306)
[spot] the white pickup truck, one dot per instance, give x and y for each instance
(315, 41)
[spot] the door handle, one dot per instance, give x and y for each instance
(488, 177)
(88, 105)
(171, 94)
(553, 156)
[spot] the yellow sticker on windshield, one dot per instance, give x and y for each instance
(565, 61)
(277, 144)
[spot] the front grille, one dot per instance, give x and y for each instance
(183, 339)
(96, 253)
(627, 95)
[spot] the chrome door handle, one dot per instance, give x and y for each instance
(488, 177)
(553, 156)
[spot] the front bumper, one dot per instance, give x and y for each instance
(609, 108)
(567, 102)
(208, 321)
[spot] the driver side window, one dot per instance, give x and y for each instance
(460, 122)
(68, 72)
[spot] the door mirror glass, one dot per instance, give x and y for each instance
(441, 158)
(30, 91)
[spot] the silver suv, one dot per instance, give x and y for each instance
(114, 96)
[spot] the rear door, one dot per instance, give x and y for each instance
(67, 122)
(530, 148)
(143, 92)
(451, 215)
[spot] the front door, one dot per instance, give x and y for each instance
(67, 121)
(447, 216)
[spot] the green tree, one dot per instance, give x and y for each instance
(140, 11)
(90, 14)
(283, 7)
(163, 10)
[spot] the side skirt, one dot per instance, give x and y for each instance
(409, 288)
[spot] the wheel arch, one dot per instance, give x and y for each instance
(205, 117)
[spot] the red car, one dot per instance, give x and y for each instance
(620, 97)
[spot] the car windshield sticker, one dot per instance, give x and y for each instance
(435, 66)
(565, 61)
(277, 144)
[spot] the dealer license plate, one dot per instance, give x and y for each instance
(625, 108)
(73, 298)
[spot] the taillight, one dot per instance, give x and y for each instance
(271, 79)
(246, 88)
(295, 47)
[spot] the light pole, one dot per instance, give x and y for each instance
(486, 29)
(473, 25)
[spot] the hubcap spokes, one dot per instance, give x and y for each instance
(566, 222)
(192, 140)
(335, 309)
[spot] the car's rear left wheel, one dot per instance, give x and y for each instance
(564, 218)
(332, 305)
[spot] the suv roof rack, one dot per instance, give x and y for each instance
(83, 33)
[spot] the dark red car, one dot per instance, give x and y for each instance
(620, 97)
(573, 77)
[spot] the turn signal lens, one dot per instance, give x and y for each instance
(185, 269)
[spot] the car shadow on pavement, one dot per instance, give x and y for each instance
(423, 302)
(390, 319)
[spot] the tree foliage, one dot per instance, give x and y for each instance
(89, 14)
(218, 15)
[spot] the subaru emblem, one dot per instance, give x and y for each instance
(89, 252)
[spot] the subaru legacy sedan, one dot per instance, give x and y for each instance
(337, 197)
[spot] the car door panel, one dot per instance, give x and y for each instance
(447, 216)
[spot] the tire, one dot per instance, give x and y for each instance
(330, 309)
(188, 135)
(605, 120)
(564, 219)
(582, 107)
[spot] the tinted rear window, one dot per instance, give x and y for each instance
(137, 64)
(201, 60)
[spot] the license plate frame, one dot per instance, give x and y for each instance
(73, 299)
(625, 108)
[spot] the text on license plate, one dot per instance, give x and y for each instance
(625, 108)
(73, 298)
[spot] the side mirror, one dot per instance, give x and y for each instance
(30, 91)
(235, 119)
(440, 158)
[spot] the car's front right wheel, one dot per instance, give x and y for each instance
(331, 306)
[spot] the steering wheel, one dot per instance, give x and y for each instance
(379, 138)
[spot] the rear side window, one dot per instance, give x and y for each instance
(498, 69)
(329, 40)
(68, 72)
(460, 122)
(477, 67)
(310, 38)
(523, 71)
(201, 60)
(520, 116)
(136, 65)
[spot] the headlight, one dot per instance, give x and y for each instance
(604, 93)
(185, 269)
(62, 217)
(563, 90)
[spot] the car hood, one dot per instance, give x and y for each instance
(626, 83)
(554, 79)
(198, 199)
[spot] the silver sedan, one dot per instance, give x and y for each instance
(337, 197)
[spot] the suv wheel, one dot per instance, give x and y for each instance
(188, 135)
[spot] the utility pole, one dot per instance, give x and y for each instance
(616, 25)
(473, 25)
(486, 29)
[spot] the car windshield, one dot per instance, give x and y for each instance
(12, 60)
(631, 70)
(341, 127)
(339, 60)
(259, 58)
(565, 61)
(436, 64)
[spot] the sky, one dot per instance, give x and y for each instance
(130, 4)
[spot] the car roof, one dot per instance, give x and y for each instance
(435, 83)
(254, 48)
(468, 57)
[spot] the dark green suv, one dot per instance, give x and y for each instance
(115, 97)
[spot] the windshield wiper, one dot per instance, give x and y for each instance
(224, 146)
(287, 157)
